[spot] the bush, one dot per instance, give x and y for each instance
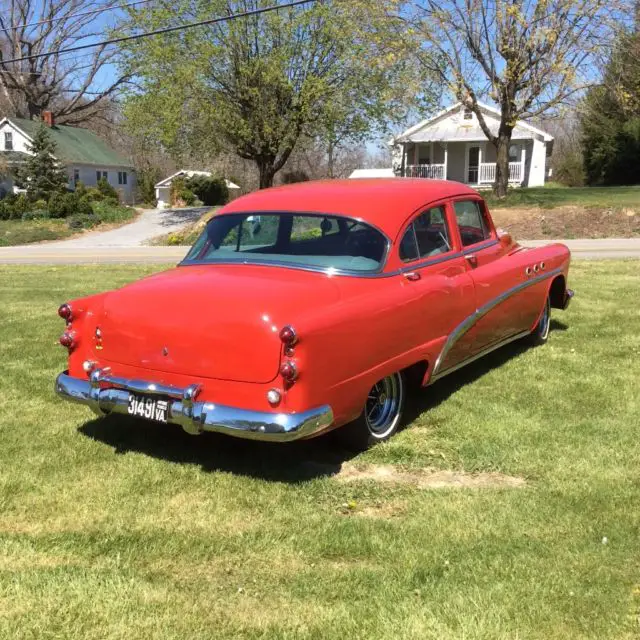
(56, 206)
(147, 179)
(5, 209)
(20, 207)
(110, 213)
(82, 221)
(296, 175)
(64, 205)
(107, 190)
(210, 190)
(36, 214)
(93, 194)
(569, 170)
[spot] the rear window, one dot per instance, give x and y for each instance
(300, 240)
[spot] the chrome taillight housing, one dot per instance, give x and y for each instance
(288, 371)
(288, 336)
(65, 312)
(68, 339)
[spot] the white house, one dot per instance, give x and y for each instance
(85, 156)
(163, 188)
(452, 146)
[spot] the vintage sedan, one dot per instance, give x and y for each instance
(306, 308)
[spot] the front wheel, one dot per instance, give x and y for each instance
(540, 333)
(380, 417)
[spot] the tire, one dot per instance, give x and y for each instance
(540, 333)
(380, 417)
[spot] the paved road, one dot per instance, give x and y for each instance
(65, 253)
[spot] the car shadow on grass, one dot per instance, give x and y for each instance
(290, 462)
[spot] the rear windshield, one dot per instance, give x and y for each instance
(300, 240)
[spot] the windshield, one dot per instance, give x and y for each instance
(295, 239)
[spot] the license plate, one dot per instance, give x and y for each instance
(148, 407)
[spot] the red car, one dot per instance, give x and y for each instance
(308, 307)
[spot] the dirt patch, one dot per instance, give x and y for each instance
(568, 222)
(427, 479)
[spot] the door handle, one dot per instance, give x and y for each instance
(412, 276)
(472, 259)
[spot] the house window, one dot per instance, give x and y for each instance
(8, 141)
(76, 177)
(122, 177)
(514, 153)
(101, 174)
(468, 114)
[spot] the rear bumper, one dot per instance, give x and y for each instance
(106, 394)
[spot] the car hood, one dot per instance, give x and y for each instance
(211, 321)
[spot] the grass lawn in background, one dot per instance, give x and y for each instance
(508, 507)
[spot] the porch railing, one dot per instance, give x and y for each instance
(433, 171)
(488, 172)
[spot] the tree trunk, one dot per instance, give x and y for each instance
(267, 172)
(501, 184)
(330, 158)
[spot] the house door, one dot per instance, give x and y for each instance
(473, 165)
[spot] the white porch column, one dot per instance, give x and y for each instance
(445, 159)
(523, 155)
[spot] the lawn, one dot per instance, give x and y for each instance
(14, 232)
(554, 195)
(118, 529)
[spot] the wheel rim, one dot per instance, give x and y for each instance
(545, 321)
(383, 405)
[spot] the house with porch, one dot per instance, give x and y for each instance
(85, 156)
(452, 146)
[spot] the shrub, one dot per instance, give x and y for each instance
(295, 175)
(36, 214)
(147, 179)
(211, 190)
(39, 204)
(20, 207)
(187, 197)
(56, 206)
(5, 209)
(93, 194)
(107, 190)
(569, 170)
(109, 213)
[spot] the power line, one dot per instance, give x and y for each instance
(73, 15)
(147, 34)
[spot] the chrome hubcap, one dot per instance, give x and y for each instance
(383, 404)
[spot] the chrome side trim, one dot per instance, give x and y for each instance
(485, 244)
(477, 356)
(105, 394)
(470, 320)
(427, 262)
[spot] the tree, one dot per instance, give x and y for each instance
(259, 84)
(72, 88)
(610, 117)
(530, 58)
(41, 174)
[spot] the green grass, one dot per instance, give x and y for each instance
(118, 529)
(555, 196)
(13, 232)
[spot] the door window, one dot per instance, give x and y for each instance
(426, 236)
(471, 222)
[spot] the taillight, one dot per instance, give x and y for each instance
(68, 340)
(288, 336)
(65, 312)
(288, 371)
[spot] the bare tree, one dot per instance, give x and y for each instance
(73, 87)
(530, 57)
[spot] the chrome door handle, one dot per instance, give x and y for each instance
(472, 259)
(412, 276)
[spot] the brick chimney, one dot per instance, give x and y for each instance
(47, 118)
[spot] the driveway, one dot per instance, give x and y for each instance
(104, 249)
(149, 224)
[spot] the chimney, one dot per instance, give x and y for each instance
(47, 118)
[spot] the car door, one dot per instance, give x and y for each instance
(493, 274)
(436, 274)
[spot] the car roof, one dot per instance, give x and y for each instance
(383, 202)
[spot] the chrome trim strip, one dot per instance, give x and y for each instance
(470, 320)
(427, 262)
(105, 395)
(485, 244)
(479, 355)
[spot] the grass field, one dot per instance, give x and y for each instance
(112, 529)
(552, 196)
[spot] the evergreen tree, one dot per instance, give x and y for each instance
(41, 175)
(611, 116)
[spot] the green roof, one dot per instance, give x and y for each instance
(76, 145)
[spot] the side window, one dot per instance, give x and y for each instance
(426, 236)
(473, 227)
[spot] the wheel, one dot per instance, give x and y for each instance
(540, 333)
(380, 417)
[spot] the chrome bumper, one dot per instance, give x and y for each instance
(106, 394)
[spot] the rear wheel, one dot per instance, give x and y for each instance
(380, 417)
(540, 333)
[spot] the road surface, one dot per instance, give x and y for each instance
(103, 252)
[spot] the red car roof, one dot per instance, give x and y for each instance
(384, 202)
